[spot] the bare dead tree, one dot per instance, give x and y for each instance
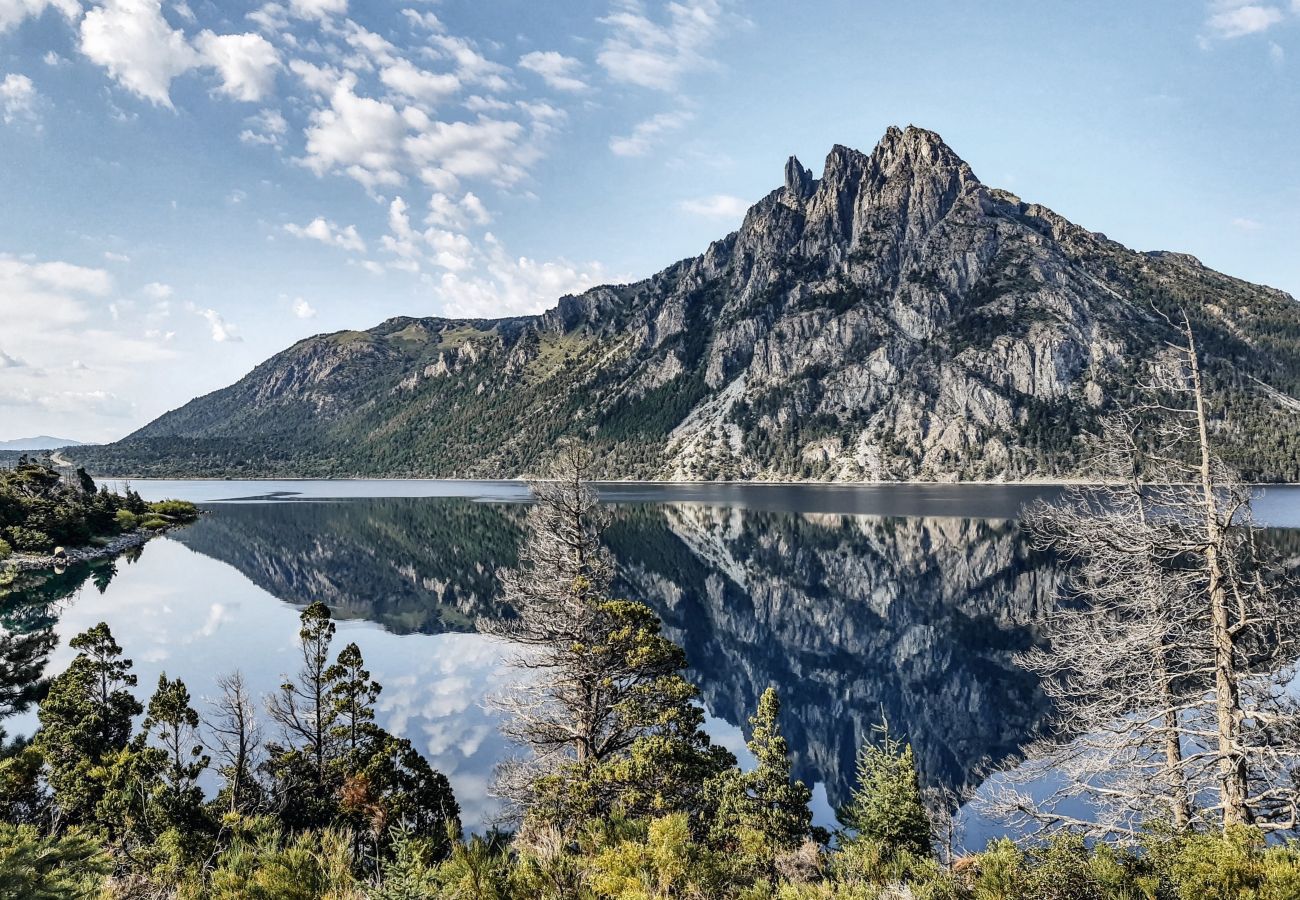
(586, 662)
(1168, 670)
(235, 737)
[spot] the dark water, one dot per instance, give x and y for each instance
(903, 603)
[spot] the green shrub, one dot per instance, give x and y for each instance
(31, 539)
(176, 510)
(126, 520)
(6, 551)
(154, 523)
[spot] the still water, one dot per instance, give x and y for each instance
(905, 603)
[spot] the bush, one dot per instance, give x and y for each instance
(176, 510)
(126, 520)
(30, 539)
(6, 551)
(154, 523)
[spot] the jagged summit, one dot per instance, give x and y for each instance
(893, 319)
(798, 180)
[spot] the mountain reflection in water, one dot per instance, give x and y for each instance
(852, 618)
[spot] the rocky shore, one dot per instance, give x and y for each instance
(27, 562)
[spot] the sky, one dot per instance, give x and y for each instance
(190, 186)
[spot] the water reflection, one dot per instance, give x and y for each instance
(853, 618)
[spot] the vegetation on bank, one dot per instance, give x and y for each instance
(41, 509)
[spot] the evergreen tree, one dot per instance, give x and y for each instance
(778, 807)
(351, 696)
(300, 764)
(85, 719)
(887, 807)
(173, 723)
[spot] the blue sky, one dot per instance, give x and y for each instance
(191, 186)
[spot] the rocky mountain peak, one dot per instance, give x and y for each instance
(798, 180)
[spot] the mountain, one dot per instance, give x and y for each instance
(40, 442)
(893, 319)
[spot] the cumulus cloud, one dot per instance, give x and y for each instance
(221, 331)
(715, 206)
(268, 127)
(302, 309)
(459, 214)
(17, 98)
(656, 54)
(557, 70)
(417, 84)
(246, 63)
(318, 9)
(14, 11)
(325, 231)
(358, 135)
(157, 290)
(141, 51)
(503, 285)
(646, 134)
(1234, 18)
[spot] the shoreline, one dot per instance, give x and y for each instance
(523, 479)
(74, 555)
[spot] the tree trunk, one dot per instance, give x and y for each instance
(1228, 715)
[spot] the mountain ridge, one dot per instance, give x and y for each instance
(894, 319)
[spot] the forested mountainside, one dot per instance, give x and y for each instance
(894, 319)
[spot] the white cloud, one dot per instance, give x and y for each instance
(141, 51)
(221, 331)
(267, 127)
(358, 135)
(116, 257)
(646, 134)
(1234, 19)
(484, 148)
(17, 98)
(1276, 54)
(55, 312)
(654, 54)
(458, 214)
(246, 63)
(318, 9)
(505, 285)
(157, 290)
(417, 84)
(426, 20)
(715, 206)
(302, 309)
(472, 66)
(325, 231)
(1243, 223)
(14, 11)
(557, 70)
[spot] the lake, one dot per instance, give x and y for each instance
(905, 603)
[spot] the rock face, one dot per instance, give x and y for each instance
(893, 319)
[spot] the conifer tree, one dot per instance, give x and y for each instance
(887, 805)
(85, 719)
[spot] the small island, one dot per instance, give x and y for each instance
(51, 518)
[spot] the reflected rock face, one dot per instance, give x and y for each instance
(852, 618)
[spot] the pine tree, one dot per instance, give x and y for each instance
(887, 806)
(174, 725)
(85, 719)
(779, 805)
(351, 696)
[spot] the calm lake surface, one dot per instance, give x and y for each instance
(906, 602)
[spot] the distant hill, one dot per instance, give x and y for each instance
(40, 442)
(894, 319)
